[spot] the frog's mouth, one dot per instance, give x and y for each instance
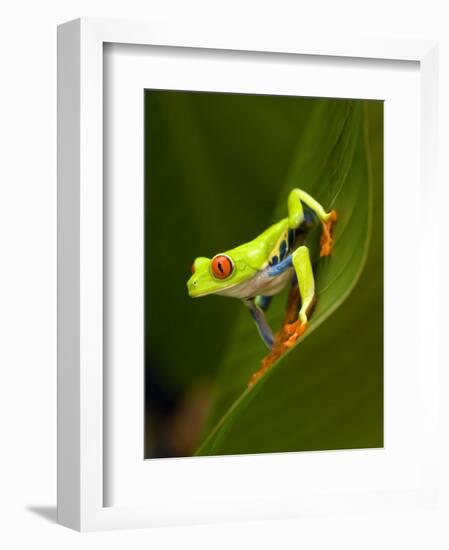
(194, 292)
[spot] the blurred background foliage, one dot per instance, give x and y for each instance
(218, 169)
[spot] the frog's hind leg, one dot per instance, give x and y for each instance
(296, 217)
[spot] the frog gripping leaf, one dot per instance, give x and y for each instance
(256, 271)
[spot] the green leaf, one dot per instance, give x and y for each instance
(325, 393)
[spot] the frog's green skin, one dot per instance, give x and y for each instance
(263, 266)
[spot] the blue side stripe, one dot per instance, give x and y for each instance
(280, 267)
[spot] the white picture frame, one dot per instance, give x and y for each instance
(82, 491)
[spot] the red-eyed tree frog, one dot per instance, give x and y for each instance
(256, 271)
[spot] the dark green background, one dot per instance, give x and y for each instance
(215, 165)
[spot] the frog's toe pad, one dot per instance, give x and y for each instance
(254, 379)
(264, 367)
(294, 330)
(266, 363)
(326, 236)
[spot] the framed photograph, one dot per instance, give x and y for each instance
(245, 240)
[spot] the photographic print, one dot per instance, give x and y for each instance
(263, 274)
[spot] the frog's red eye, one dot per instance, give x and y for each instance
(221, 266)
(192, 269)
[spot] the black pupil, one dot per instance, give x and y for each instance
(220, 267)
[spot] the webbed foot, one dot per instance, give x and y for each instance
(276, 351)
(265, 365)
(326, 236)
(294, 330)
(285, 339)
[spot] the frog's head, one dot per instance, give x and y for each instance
(216, 275)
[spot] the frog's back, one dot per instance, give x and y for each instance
(265, 249)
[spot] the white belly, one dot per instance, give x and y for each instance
(260, 285)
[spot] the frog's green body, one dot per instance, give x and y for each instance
(259, 269)
(249, 259)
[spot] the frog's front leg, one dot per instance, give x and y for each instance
(257, 313)
(306, 283)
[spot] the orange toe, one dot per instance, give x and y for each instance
(326, 236)
(290, 330)
(296, 330)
